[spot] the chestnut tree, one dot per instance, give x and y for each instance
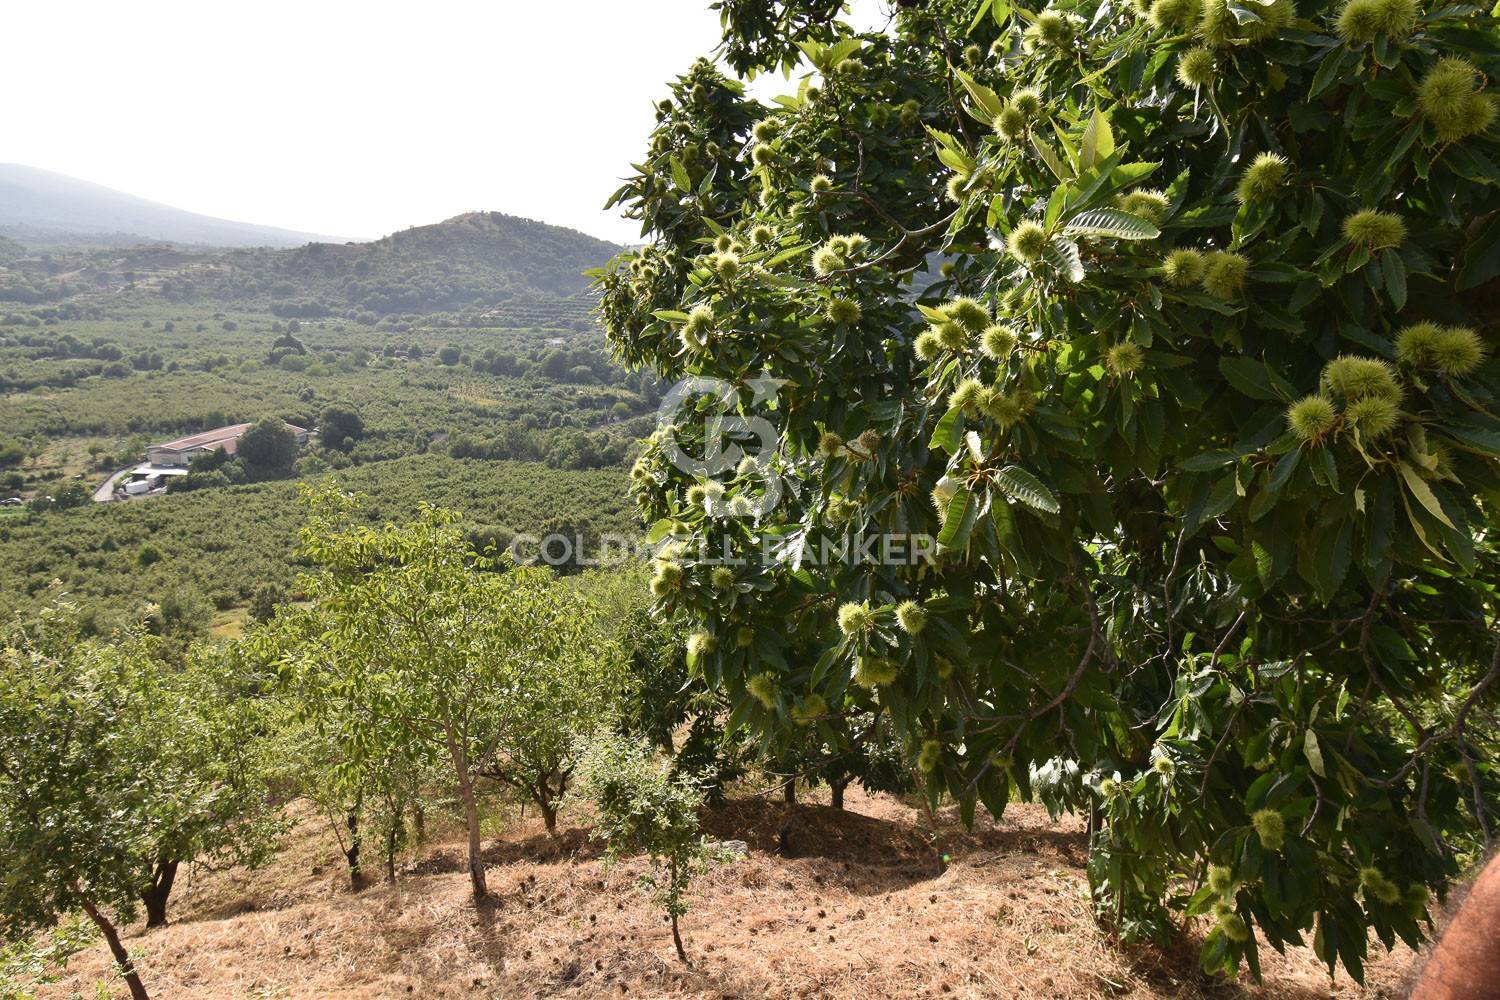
(1173, 323)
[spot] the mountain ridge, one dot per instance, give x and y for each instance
(40, 206)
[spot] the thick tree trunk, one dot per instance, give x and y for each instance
(419, 822)
(155, 898)
(837, 788)
(548, 811)
(789, 791)
(677, 940)
(471, 816)
(116, 948)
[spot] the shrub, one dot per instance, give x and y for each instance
(642, 805)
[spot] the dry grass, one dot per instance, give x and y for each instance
(862, 905)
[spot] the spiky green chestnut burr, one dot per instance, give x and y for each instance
(932, 753)
(1183, 267)
(1375, 230)
(997, 341)
(875, 671)
(1353, 377)
(1220, 879)
(967, 313)
(1375, 416)
(1196, 67)
(928, 345)
(1263, 178)
(952, 336)
(820, 184)
(845, 311)
(1224, 274)
(827, 260)
(1270, 827)
(1124, 359)
(812, 708)
(911, 616)
(1026, 242)
(1010, 123)
(1363, 21)
(855, 618)
(764, 688)
(701, 643)
(1311, 417)
(967, 396)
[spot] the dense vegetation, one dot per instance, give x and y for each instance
(480, 261)
(1203, 414)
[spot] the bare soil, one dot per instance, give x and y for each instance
(858, 904)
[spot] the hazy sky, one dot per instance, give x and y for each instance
(350, 118)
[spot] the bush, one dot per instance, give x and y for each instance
(642, 805)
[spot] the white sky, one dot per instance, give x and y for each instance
(348, 118)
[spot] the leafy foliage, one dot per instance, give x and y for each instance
(1160, 569)
(116, 767)
(644, 805)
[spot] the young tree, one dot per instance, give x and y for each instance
(643, 805)
(426, 641)
(1198, 405)
(578, 686)
(114, 770)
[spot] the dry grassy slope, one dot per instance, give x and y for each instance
(864, 908)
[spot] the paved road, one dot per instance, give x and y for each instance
(106, 493)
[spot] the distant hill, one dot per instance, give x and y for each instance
(479, 264)
(10, 250)
(42, 207)
(474, 261)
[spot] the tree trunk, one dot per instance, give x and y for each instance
(351, 853)
(116, 948)
(548, 811)
(419, 822)
(676, 934)
(155, 897)
(837, 789)
(471, 816)
(392, 838)
(789, 791)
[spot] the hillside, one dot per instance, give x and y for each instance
(40, 205)
(874, 902)
(477, 262)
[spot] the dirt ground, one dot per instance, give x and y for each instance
(861, 905)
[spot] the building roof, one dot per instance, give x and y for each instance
(219, 437)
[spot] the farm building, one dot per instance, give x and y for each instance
(180, 453)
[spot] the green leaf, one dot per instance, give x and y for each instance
(987, 100)
(680, 175)
(1098, 141)
(1481, 256)
(1313, 753)
(949, 432)
(1419, 489)
(1255, 380)
(1111, 222)
(1209, 460)
(1018, 484)
(959, 520)
(1050, 158)
(1063, 254)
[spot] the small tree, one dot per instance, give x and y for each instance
(417, 629)
(643, 805)
(113, 771)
